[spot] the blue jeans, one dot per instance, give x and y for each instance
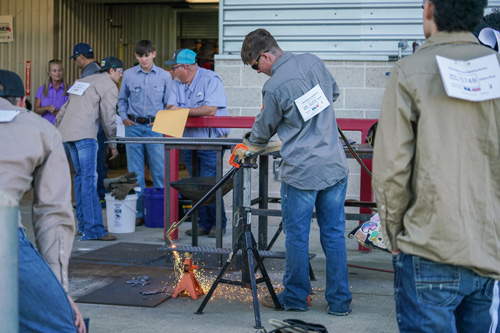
(88, 208)
(102, 167)
(434, 297)
(43, 304)
(136, 159)
(207, 166)
(297, 207)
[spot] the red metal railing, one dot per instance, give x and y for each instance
(346, 124)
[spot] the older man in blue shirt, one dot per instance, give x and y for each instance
(202, 92)
(144, 91)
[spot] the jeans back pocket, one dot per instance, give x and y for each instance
(436, 284)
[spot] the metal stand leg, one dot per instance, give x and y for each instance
(246, 243)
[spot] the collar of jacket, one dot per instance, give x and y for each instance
(280, 61)
(443, 37)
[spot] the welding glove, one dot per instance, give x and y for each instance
(130, 177)
(369, 234)
(251, 147)
(270, 147)
(120, 190)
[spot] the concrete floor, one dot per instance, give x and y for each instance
(230, 308)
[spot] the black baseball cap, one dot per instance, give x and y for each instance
(12, 84)
(82, 48)
(110, 62)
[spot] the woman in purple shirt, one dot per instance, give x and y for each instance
(53, 94)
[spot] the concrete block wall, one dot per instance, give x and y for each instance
(361, 83)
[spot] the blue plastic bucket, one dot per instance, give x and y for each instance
(153, 207)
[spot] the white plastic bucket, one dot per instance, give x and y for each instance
(121, 213)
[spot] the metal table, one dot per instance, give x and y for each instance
(171, 173)
(364, 151)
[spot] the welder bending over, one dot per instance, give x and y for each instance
(314, 167)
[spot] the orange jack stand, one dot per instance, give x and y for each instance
(188, 281)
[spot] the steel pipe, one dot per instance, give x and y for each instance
(9, 252)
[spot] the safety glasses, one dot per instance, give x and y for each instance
(256, 63)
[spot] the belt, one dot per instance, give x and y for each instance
(141, 120)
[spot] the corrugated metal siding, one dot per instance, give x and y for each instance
(105, 27)
(88, 23)
(325, 27)
(48, 29)
(198, 25)
(33, 39)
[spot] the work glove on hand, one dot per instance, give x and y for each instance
(251, 147)
(129, 178)
(120, 190)
(267, 148)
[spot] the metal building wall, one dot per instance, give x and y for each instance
(33, 39)
(48, 29)
(112, 30)
(332, 29)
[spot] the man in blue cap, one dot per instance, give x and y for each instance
(83, 54)
(202, 92)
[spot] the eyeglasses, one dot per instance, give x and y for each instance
(173, 68)
(76, 57)
(119, 70)
(256, 63)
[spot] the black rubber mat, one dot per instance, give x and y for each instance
(122, 293)
(131, 253)
(145, 255)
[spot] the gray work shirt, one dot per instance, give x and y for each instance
(313, 156)
(90, 69)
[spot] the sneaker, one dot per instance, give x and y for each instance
(103, 203)
(139, 221)
(338, 314)
(213, 233)
(107, 237)
(201, 232)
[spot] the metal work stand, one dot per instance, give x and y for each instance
(246, 243)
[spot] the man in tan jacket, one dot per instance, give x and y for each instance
(78, 121)
(32, 157)
(436, 175)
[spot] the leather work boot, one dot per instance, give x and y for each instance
(201, 232)
(107, 237)
(213, 233)
(267, 301)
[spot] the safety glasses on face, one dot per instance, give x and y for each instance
(256, 63)
(173, 68)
